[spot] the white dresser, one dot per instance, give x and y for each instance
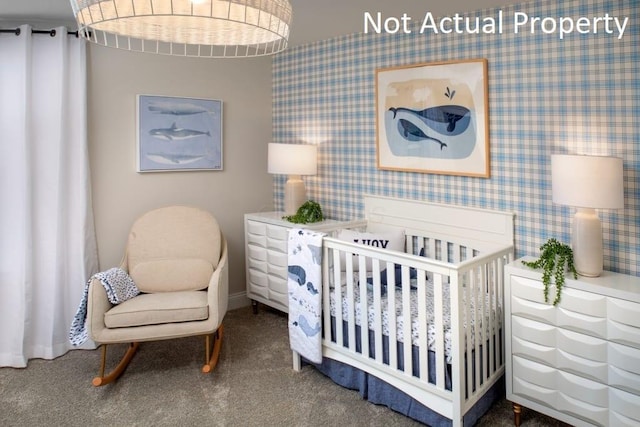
(578, 362)
(266, 236)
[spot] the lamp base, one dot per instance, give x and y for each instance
(586, 243)
(295, 194)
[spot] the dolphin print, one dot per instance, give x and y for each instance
(175, 133)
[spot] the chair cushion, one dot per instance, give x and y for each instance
(169, 275)
(154, 309)
(170, 238)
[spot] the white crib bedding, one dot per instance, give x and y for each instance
(431, 332)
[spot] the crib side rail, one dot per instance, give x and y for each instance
(477, 298)
(343, 272)
(479, 275)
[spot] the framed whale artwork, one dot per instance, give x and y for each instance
(178, 134)
(433, 118)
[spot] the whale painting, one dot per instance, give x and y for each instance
(179, 134)
(433, 118)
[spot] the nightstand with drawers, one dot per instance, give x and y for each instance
(266, 236)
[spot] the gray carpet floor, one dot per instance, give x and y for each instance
(253, 385)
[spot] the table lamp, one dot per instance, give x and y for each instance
(293, 160)
(587, 183)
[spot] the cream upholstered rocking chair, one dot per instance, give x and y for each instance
(177, 258)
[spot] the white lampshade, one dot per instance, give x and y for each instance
(587, 183)
(293, 160)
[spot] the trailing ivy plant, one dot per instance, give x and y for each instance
(555, 259)
(310, 211)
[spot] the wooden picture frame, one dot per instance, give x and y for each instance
(433, 118)
(178, 134)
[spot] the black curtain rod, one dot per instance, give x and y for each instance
(52, 33)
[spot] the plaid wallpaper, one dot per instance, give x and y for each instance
(578, 95)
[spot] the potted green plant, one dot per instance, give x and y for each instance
(310, 211)
(556, 259)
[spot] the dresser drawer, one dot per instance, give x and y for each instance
(278, 271)
(257, 240)
(277, 233)
(625, 406)
(574, 300)
(277, 258)
(533, 340)
(255, 254)
(580, 322)
(534, 381)
(540, 312)
(256, 228)
(276, 284)
(579, 311)
(624, 368)
(257, 265)
(624, 322)
(582, 355)
(258, 282)
(277, 245)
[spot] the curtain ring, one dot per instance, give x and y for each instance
(18, 31)
(52, 33)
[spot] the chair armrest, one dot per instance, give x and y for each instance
(218, 290)
(97, 305)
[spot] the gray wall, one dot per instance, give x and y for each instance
(120, 194)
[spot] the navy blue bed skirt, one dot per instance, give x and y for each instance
(379, 392)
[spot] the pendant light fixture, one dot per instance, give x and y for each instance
(200, 28)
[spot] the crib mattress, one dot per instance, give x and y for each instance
(400, 318)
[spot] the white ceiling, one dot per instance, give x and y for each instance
(312, 19)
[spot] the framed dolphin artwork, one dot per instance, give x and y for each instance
(178, 134)
(433, 118)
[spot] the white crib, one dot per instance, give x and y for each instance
(457, 281)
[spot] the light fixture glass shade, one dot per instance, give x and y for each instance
(202, 28)
(587, 183)
(293, 160)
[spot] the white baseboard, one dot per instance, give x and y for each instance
(238, 300)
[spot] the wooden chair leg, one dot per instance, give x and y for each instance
(211, 360)
(118, 370)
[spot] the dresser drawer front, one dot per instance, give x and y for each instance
(598, 415)
(535, 373)
(256, 228)
(624, 368)
(582, 355)
(625, 404)
(258, 283)
(624, 322)
(580, 311)
(257, 265)
(276, 232)
(256, 254)
(278, 285)
(277, 258)
(257, 240)
(624, 312)
(540, 312)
